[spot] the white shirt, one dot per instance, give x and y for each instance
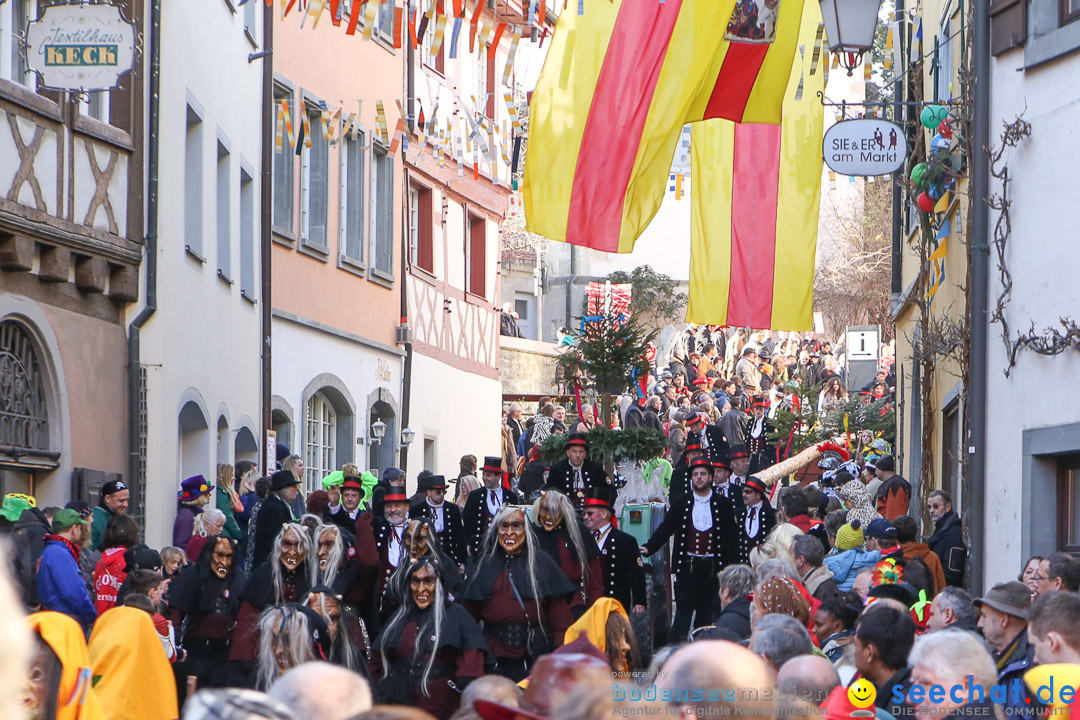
(753, 519)
(579, 480)
(395, 549)
(702, 512)
(498, 496)
(724, 489)
(601, 536)
(438, 514)
(333, 509)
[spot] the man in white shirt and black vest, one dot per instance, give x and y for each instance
(484, 502)
(445, 518)
(706, 540)
(757, 517)
(620, 560)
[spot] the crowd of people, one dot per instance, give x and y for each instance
(521, 596)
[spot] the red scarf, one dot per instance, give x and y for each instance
(72, 547)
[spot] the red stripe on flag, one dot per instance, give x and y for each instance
(755, 183)
(736, 79)
(620, 105)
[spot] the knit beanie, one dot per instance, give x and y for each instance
(849, 536)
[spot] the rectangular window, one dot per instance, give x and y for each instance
(475, 250)
(247, 235)
(950, 451)
(944, 71)
(249, 20)
(193, 183)
(22, 12)
(384, 23)
(421, 243)
(96, 105)
(1070, 10)
(1068, 504)
(437, 62)
(351, 198)
(283, 168)
(382, 211)
(224, 203)
(314, 181)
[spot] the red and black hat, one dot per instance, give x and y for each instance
(352, 482)
(760, 401)
(700, 462)
(578, 440)
(755, 484)
(701, 380)
(693, 443)
(492, 463)
(739, 451)
(721, 464)
(694, 418)
(396, 493)
(434, 482)
(601, 496)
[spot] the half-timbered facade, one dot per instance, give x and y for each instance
(71, 234)
(458, 186)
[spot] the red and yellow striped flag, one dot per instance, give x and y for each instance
(755, 196)
(618, 84)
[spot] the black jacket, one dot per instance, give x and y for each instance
(736, 617)
(452, 538)
(273, 514)
(561, 478)
(342, 520)
(735, 424)
(623, 570)
(724, 536)
(948, 542)
(475, 516)
(765, 526)
(27, 543)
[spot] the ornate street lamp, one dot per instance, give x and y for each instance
(378, 429)
(407, 436)
(850, 26)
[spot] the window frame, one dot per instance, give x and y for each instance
(247, 210)
(378, 151)
(356, 264)
(287, 231)
(326, 422)
(1066, 16)
(473, 220)
(223, 206)
(321, 249)
(194, 179)
(1067, 466)
(422, 255)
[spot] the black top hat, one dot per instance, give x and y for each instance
(739, 451)
(578, 440)
(352, 482)
(602, 496)
(492, 463)
(755, 484)
(283, 479)
(702, 463)
(721, 463)
(433, 482)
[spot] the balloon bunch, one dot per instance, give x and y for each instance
(930, 178)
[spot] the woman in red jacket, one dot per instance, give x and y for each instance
(121, 533)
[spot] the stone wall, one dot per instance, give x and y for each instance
(526, 367)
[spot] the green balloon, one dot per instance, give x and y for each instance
(918, 175)
(933, 115)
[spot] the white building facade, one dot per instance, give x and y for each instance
(1032, 503)
(201, 348)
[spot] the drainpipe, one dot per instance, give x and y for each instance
(150, 241)
(974, 515)
(406, 366)
(897, 202)
(266, 214)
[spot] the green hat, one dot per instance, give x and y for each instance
(66, 519)
(14, 504)
(850, 535)
(334, 479)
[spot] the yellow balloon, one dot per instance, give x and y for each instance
(862, 693)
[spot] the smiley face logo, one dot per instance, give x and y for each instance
(862, 693)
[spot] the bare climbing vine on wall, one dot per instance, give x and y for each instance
(1052, 340)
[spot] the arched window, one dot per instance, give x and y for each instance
(24, 417)
(320, 457)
